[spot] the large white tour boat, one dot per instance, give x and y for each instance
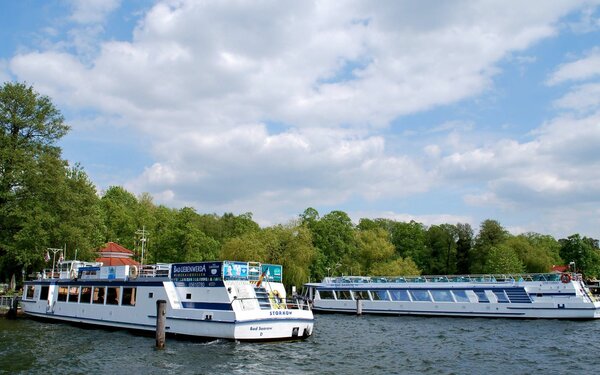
(557, 296)
(229, 300)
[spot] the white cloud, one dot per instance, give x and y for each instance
(585, 68)
(275, 106)
(581, 98)
(92, 11)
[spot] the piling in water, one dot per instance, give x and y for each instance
(358, 307)
(161, 317)
(14, 306)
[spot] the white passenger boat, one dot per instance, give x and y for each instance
(512, 296)
(229, 300)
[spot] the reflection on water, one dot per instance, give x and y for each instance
(341, 344)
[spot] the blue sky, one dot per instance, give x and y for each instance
(459, 111)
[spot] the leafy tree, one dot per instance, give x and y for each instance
(502, 259)
(397, 267)
(30, 171)
(533, 254)
(441, 241)
(119, 208)
(584, 252)
(373, 248)
(463, 248)
(491, 234)
(409, 241)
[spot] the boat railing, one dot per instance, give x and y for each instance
(285, 304)
(155, 270)
(483, 278)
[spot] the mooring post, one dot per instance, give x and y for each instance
(161, 317)
(358, 307)
(14, 306)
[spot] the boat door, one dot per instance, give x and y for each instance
(51, 300)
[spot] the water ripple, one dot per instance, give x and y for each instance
(341, 344)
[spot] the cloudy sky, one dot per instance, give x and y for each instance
(437, 111)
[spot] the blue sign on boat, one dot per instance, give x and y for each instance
(235, 270)
(272, 272)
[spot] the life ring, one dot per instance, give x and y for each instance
(133, 272)
(565, 278)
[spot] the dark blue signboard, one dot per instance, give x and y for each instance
(198, 274)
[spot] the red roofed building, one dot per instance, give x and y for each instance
(116, 255)
(559, 269)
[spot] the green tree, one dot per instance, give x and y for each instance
(333, 237)
(120, 208)
(463, 248)
(409, 240)
(583, 252)
(502, 259)
(373, 248)
(491, 234)
(534, 255)
(441, 241)
(32, 178)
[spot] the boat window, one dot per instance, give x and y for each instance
(326, 294)
(460, 296)
(128, 297)
(62, 293)
(502, 298)
(420, 295)
(361, 294)
(44, 292)
(98, 295)
(441, 296)
(86, 294)
(112, 295)
(399, 295)
(379, 295)
(343, 294)
(73, 293)
(29, 291)
(482, 297)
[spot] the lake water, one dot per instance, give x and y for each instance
(341, 344)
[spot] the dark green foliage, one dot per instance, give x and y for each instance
(583, 252)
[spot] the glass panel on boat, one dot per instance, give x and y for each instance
(86, 294)
(344, 294)
(29, 291)
(460, 295)
(112, 295)
(481, 296)
(44, 292)
(441, 295)
(128, 297)
(502, 298)
(73, 294)
(98, 295)
(326, 294)
(379, 295)
(361, 294)
(420, 295)
(62, 293)
(399, 295)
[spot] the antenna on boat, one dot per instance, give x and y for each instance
(54, 251)
(142, 232)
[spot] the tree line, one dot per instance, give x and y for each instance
(45, 202)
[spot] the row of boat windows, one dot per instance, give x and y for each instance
(417, 295)
(100, 295)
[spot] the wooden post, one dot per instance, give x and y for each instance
(161, 317)
(358, 307)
